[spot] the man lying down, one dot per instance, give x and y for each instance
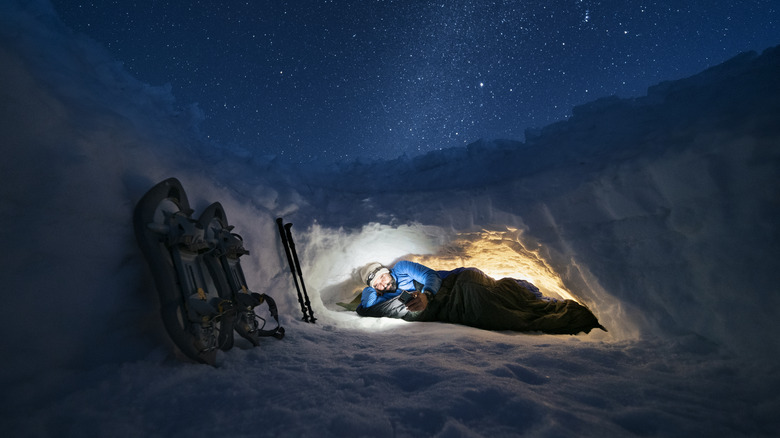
(414, 292)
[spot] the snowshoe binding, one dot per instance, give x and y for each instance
(197, 315)
(224, 262)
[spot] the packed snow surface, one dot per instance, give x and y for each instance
(659, 213)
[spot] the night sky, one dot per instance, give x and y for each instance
(340, 80)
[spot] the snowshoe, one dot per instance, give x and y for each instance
(197, 318)
(225, 262)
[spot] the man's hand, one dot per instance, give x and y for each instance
(418, 302)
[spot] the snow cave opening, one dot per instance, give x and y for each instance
(336, 256)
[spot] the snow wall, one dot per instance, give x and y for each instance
(658, 212)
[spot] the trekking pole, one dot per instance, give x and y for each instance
(292, 267)
(290, 242)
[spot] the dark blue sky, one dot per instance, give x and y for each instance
(338, 80)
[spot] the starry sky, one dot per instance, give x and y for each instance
(335, 80)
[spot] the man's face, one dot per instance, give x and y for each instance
(384, 283)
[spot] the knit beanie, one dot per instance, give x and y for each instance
(372, 271)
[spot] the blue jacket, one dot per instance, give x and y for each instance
(405, 274)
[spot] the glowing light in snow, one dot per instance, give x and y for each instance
(333, 258)
(499, 254)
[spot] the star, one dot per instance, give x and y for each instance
(339, 73)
